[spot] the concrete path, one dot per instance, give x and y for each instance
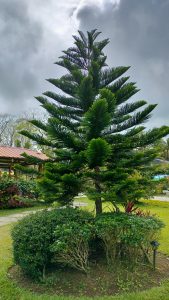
(161, 198)
(5, 220)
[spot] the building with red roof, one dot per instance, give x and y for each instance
(9, 156)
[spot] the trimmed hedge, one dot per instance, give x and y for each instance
(33, 236)
(127, 236)
(70, 236)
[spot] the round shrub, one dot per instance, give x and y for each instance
(34, 235)
(126, 236)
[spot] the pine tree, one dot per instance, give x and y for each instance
(97, 135)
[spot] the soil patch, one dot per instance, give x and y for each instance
(100, 280)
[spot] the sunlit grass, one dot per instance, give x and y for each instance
(161, 210)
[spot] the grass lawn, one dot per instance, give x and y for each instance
(161, 209)
(9, 291)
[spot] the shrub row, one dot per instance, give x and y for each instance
(127, 236)
(70, 236)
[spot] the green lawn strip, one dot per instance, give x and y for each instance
(161, 210)
(8, 290)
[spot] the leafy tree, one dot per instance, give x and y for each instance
(163, 148)
(97, 135)
(10, 125)
(24, 124)
(7, 129)
(167, 149)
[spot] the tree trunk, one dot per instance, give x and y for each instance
(98, 204)
(98, 201)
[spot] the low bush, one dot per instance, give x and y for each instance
(72, 237)
(127, 236)
(71, 245)
(34, 235)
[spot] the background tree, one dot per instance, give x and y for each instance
(167, 149)
(163, 147)
(10, 125)
(97, 135)
(6, 134)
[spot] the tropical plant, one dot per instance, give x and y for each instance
(98, 137)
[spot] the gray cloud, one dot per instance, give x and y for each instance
(139, 37)
(20, 39)
(32, 36)
(33, 33)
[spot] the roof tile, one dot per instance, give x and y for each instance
(15, 152)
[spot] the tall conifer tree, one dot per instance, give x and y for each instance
(96, 133)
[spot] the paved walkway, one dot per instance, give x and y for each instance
(5, 220)
(161, 198)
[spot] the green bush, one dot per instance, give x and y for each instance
(34, 235)
(28, 188)
(71, 245)
(71, 236)
(17, 192)
(126, 236)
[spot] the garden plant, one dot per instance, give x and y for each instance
(18, 192)
(100, 147)
(96, 134)
(69, 237)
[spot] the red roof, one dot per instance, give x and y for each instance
(15, 152)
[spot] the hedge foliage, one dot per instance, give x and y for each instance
(71, 246)
(126, 236)
(69, 237)
(34, 235)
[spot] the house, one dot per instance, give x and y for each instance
(9, 156)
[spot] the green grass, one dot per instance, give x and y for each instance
(9, 290)
(161, 210)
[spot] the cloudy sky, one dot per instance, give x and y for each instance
(33, 33)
